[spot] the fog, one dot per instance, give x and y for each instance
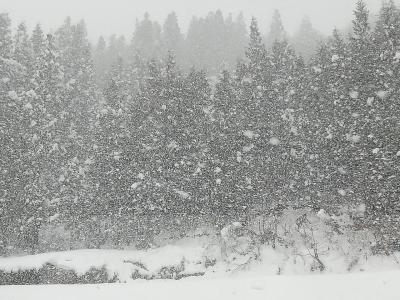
(106, 17)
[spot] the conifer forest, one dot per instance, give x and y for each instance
(114, 143)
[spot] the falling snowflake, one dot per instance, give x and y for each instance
(317, 70)
(250, 134)
(382, 94)
(13, 95)
(354, 94)
(274, 141)
(248, 148)
(183, 194)
(135, 185)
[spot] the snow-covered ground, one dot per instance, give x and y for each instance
(360, 286)
(373, 277)
(191, 257)
(122, 263)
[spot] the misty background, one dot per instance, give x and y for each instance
(119, 16)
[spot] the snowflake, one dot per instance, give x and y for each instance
(396, 58)
(239, 157)
(31, 93)
(135, 185)
(13, 95)
(250, 134)
(173, 145)
(354, 138)
(274, 141)
(217, 170)
(28, 106)
(183, 194)
(335, 58)
(248, 148)
(117, 155)
(354, 94)
(317, 70)
(382, 94)
(54, 217)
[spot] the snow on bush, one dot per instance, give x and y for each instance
(238, 245)
(296, 241)
(303, 241)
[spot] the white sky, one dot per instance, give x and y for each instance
(118, 16)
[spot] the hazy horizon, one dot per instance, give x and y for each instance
(119, 16)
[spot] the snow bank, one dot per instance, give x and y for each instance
(119, 262)
(300, 235)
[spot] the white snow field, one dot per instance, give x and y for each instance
(123, 263)
(360, 286)
(377, 278)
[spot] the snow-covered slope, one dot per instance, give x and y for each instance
(368, 286)
(258, 281)
(192, 257)
(119, 262)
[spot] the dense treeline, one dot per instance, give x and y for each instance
(213, 43)
(159, 148)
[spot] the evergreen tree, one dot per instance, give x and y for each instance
(100, 63)
(362, 86)
(77, 125)
(227, 169)
(111, 172)
(214, 43)
(41, 189)
(5, 36)
(22, 47)
(277, 32)
(147, 38)
(172, 36)
(13, 145)
(37, 41)
(383, 204)
(307, 40)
